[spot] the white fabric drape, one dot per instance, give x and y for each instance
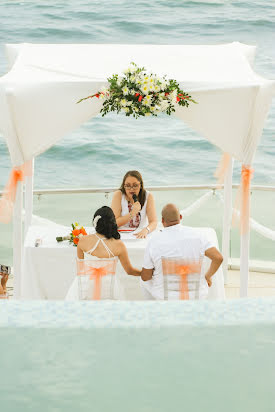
(45, 81)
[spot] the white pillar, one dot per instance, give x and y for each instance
(11, 133)
(244, 264)
(227, 217)
(244, 255)
(28, 200)
(17, 240)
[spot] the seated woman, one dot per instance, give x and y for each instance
(133, 206)
(106, 243)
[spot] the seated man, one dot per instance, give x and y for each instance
(174, 241)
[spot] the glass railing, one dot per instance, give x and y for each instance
(67, 206)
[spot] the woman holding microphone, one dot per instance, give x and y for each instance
(133, 206)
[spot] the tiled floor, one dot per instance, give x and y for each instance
(260, 284)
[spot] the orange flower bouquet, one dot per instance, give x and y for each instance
(75, 235)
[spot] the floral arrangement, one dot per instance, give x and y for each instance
(75, 235)
(137, 93)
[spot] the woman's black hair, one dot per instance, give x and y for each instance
(106, 225)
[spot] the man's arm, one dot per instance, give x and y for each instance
(217, 259)
(146, 274)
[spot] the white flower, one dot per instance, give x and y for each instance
(123, 102)
(145, 89)
(133, 67)
(129, 103)
(147, 114)
(163, 105)
(151, 88)
(127, 71)
(104, 90)
(126, 109)
(174, 93)
(119, 81)
(125, 90)
(146, 101)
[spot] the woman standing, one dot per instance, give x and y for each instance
(133, 206)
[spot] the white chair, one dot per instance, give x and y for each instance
(182, 278)
(96, 278)
(4, 296)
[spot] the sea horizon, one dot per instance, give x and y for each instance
(163, 149)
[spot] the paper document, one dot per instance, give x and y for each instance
(128, 235)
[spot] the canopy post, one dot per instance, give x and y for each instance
(244, 264)
(227, 216)
(18, 204)
(245, 230)
(28, 199)
(17, 240)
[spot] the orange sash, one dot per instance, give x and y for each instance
(95, 274)
(7, 200)
(172, 268)
(222, 168)
(247, 175)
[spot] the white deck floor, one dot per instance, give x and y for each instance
(260, 284)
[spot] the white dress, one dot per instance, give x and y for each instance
(73, 292)
(142, 214)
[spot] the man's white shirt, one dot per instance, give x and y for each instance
(173, 241)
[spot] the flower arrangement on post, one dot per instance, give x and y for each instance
(137, 93)
(75, 235)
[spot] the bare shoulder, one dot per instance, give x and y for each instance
(150, 200)
(117, 195)
(85, 240)
(120, 246)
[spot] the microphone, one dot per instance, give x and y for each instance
(135, 199)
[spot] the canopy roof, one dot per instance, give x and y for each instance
(38, 95)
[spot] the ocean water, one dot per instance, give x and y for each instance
(163, 149)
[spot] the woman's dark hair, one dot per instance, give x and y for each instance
(106, 225)
(142, 192)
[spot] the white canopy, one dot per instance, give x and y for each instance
(38, 106)
(38, 95)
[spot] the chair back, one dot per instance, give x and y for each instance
(4, 296)
(96, 278)
(181, 278)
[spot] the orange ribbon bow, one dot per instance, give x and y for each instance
(8, 198)
(247, 174)
(96, 274)
(172, 268)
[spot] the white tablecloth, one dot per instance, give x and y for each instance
(50, 269)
